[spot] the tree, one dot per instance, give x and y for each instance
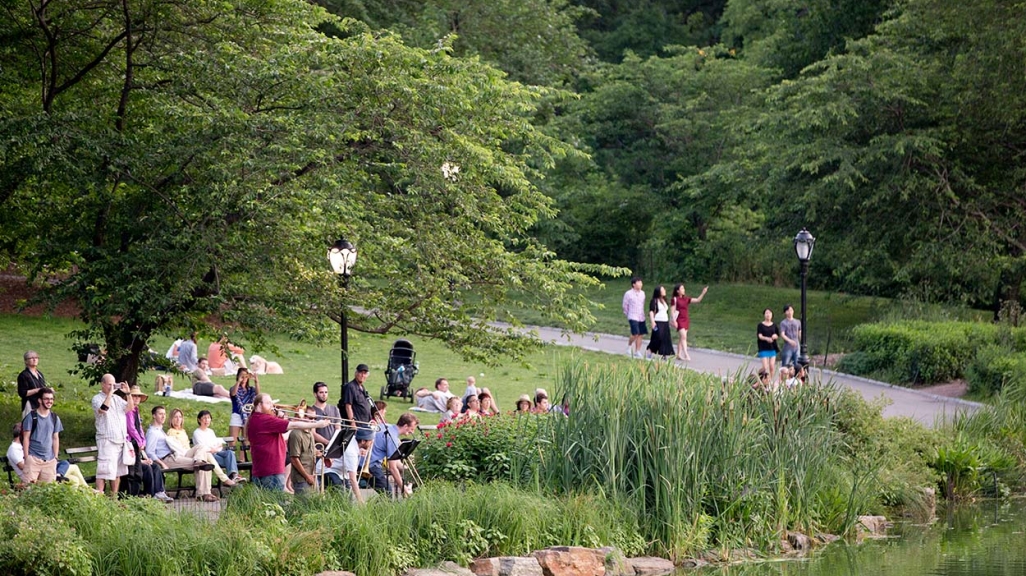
(906, 151)
(170, 164)
(534, 41)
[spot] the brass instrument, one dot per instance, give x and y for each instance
(297, 413)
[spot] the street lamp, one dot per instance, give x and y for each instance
(342, 257)
(803, 244)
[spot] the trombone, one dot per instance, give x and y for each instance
(299, 411)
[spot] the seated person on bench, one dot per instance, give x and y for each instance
(171, 455)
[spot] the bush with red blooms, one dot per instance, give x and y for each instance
(481, 449)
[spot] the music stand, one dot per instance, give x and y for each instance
(403, 453)
(339, 440)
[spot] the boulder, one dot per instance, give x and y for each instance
(692, 563)
(827, 538)
(799, 542)
(571, 561)
(507, 566)
(650, 566)
(444, 569)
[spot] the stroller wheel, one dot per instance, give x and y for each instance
(384, 393)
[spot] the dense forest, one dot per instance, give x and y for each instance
(164, 162)
(716, 129)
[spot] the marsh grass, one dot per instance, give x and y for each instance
(709, 463)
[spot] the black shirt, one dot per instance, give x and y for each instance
(768, 332)
(353, 394)
(27, 381)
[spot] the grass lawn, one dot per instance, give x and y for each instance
(727, 316)
(304, 363)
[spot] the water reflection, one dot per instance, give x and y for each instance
(987, 539)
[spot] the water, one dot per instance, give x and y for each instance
(987, 539)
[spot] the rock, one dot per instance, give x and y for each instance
(827, 538)
(875, 525)
(785, 547)
(650, 566)
(800, 542)
(692, 563)
(519, 566)
(485, 567)
(739, 554)
(571, 561)
(444, 569)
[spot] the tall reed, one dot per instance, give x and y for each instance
(706, 462)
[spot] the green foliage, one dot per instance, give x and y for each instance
(744, 467)
(995, 367)
(200, 170)
(645, 27)
(56, 529)
(924, 352)
(483, 449)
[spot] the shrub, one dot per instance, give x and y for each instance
(482, 449)
(994, 368)
(920, 352)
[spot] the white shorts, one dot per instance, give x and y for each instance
(108, 460)
(236, 420)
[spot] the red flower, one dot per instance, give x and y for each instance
(439, 435)
(448, 444)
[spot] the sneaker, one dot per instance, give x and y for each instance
(240, 479)
(163, 497)
(229, 482)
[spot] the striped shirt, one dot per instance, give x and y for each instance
(634, 305)
(111, 424)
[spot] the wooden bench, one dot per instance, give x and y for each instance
(82, 455)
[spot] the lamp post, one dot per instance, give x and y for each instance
(803, 244)
(342, 257)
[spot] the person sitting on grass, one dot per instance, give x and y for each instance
(452, 411)
(201, 384)
(488, 404)
(437, 400)
(176, 432)
(224, 457)
(541, 402)
(473, 409)
(172, 455)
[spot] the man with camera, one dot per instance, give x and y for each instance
(111, 432)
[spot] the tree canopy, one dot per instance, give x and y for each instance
(170, 163)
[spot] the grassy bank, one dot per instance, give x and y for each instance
(57, 529)
(726, 317)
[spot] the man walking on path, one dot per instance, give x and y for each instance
(791, 332)
(634, 309)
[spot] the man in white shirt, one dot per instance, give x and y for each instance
(16, 453)
(111, 432)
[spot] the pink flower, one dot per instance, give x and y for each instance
(448, 444)
(439, 435)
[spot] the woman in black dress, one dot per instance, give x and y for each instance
(766, 334)
(659, 314)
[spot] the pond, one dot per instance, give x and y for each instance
(986, 539)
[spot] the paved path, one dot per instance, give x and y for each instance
(924, 407)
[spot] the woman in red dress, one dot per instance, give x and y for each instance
(680, 303)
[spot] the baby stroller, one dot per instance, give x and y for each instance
(401, 370)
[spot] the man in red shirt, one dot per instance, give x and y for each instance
(267, 446)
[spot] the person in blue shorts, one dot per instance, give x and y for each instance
(634, 309)
(766, 332)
